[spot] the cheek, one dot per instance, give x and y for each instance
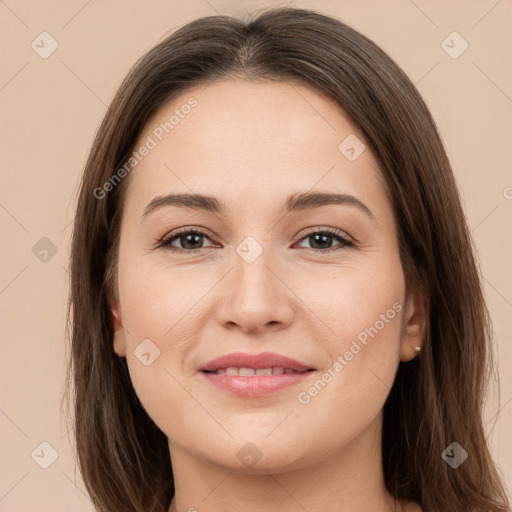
(361, 312)
(158, 300)
(160, 308)
(354, 298)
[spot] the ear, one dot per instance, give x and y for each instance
(414, 323)
(119, 334)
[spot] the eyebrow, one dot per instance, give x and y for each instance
(295, 202)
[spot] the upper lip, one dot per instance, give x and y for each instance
(256, 361)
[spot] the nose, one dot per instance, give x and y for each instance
(255, 296)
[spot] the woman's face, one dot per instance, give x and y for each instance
(257, 279)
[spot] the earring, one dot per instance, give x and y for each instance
(417, 349)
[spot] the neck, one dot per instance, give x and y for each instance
(349, 479)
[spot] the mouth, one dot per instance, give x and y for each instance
(250, 372)
(254, 375)
(244, 363)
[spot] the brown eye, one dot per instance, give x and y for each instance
(189, 240)
(322, 240)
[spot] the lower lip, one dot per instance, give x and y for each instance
(257, 385)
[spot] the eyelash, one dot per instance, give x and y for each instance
(166, 241)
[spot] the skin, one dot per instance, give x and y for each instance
(251, 145)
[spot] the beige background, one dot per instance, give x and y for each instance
(52, 107)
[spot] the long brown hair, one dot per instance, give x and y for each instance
(436, 399)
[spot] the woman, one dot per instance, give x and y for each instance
(275, 304)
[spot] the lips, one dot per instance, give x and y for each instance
(254, 375)
(262, 361)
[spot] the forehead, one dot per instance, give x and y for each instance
(242, 140)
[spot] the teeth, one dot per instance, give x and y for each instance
(264, 371)
(248, 372)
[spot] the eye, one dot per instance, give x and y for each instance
(189, 239)
(192, 240)
(321, 239)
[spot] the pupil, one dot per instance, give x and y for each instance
(324, 239)
(188, 237)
